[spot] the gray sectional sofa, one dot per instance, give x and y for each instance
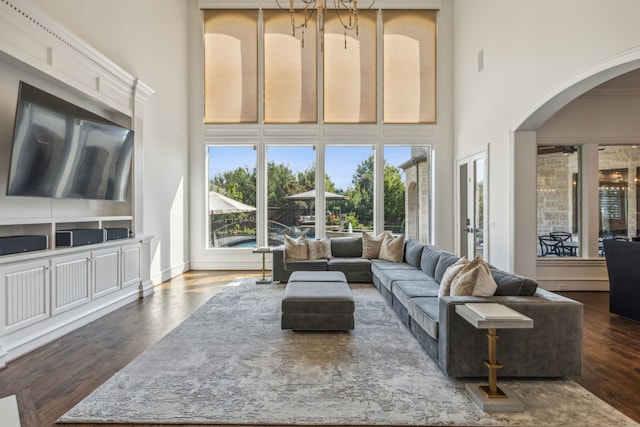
(553, 348)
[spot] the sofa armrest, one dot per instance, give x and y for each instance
(278, 273)
(553, 348)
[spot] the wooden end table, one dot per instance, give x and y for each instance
(492, 316)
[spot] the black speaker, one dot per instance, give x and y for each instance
(80, 236)
(116, 233)
(18, 244)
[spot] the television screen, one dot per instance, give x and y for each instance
(63, 151)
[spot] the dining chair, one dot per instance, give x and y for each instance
(549, 245)
(561, 237)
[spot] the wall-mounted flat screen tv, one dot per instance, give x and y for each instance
(63, 151)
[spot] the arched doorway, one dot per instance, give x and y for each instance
(588, 270)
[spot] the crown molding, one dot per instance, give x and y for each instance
(31, 38)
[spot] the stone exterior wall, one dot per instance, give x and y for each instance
(417, 195)
(555, 189)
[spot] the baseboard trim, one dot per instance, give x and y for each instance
(169, 273)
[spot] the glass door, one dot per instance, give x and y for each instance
(472, 184)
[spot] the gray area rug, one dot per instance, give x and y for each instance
(230, 363)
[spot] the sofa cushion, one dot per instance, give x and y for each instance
(404, 290)
(474, 279)
(295, 249)
(512, 285)
(349, 264)
(446, 259)
(449, 275)
(371, 244)
(413, 252)
(429, 260)
(425, 312)
(307, 265)
(379, 264)
(319, 248)
(392, 248)
(346, 247)
(387, 277)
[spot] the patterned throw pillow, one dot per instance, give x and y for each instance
(371, 244)
(319, 248)
(392, 248)
(449, 275)
(295, 249)
(474, 279)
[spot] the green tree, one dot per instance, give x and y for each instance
(394, 189)
(239, 184)
(282, 182)
(361, 193)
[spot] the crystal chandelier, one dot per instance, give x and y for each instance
(301, 12)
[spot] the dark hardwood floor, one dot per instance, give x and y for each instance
(52, 379)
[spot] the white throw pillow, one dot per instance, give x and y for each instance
(295, 249)
(392, 248)
(449, 275)
(319, 248)
(474, 279)
(371, 244)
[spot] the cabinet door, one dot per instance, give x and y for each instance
(24, 294)
(106, 271)
(131, 265)
(70, 282)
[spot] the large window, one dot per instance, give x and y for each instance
(291, 177)
(349, 179)
(231, 196)
(560, 194)
(618, 190)
(288, 114)
(349, 198)
(558, 201)
(349, 75)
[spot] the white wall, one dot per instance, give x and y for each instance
(148, 38)
(532, 51)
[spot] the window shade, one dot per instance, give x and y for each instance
(231, 66)
(350, 74)
(409, 66)
(290, 78)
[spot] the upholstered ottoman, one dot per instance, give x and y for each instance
(317, 301)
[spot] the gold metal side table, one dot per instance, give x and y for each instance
(492, 316)
(264, 251)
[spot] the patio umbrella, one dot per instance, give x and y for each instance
(219, 204)
(311, 195)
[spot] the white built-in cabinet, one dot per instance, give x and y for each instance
(45, 294)
(48, 293)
